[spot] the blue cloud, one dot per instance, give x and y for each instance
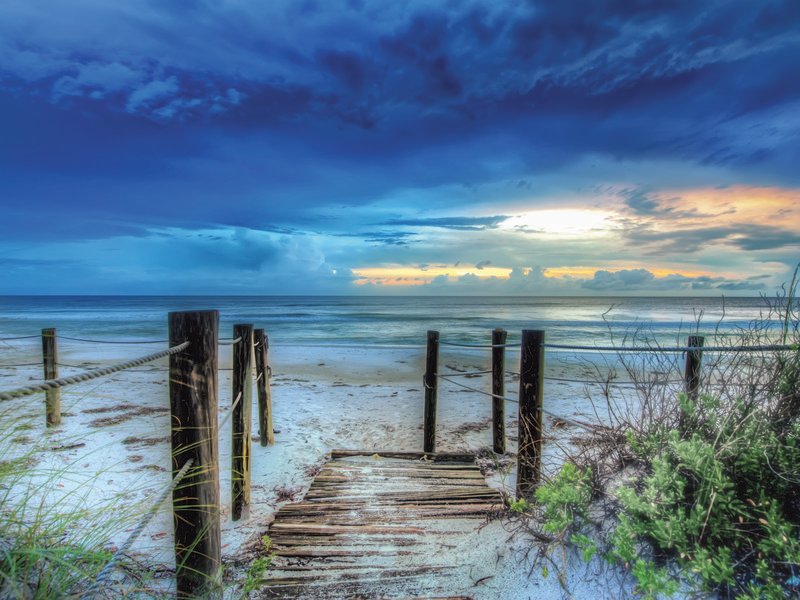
(120, 119)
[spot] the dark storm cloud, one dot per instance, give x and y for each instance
(123, 119)
(744, 237)
(644, 281)
(157, 98)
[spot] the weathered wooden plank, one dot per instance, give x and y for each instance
(342, 540)
(397, 486)
(316, 508)
(372, 527)
(431, 456)
(333, 476)
(315, 551)
(445, 495)
(405, 511)
(409, 515)
(384, 570)
(394, 464)
(310, 528)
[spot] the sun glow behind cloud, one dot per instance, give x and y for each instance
(402, 275)
(678, 237)
(416, 276)
(569, 222)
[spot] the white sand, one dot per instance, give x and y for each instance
(323, 398)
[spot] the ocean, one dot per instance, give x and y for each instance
(387, 321)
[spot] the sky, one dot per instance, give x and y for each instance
(611, 147)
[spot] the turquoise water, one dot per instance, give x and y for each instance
(383, 321)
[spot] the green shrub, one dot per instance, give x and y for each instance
(712, 501)
(716, 498)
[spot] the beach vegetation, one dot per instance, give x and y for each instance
(54, 535)
(700, 495)
(254, 576)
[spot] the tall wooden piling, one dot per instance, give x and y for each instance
(694, 361)
(531, 396)
(193, 405)
(498, 389)
(50, 362)
(241, 419)
(266, 435)
(431, 383)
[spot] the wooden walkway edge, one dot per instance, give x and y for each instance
(379, 525)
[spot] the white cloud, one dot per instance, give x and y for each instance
(97, 80)
(150, 93)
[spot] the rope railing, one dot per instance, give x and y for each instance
(607, 382)
(643, 349)
(137, 531)
(197, 532)
(586, 426)
(94, 341)
(675, 349)
(456, 373)
(86, 366)
(474, 389)
(52, 384)
(230, 411)
(465, 345)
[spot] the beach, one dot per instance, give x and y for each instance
(113, 443)
(112, 448)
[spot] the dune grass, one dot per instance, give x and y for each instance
(690, 495)
(55, 535)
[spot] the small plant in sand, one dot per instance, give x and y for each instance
(53, 535)
(698, 495)
(254, 578)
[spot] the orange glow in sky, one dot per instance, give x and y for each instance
(727, 213)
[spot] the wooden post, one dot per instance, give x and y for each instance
(266, 434)
(531, 396)
(694, 360)
(241, 419)
(431, 383)
(499, 389)
(50, 361)
(193, 404)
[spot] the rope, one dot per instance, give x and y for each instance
(86, 365)
(615, 383)
(230, 342)
(765, 348)
(21, 365)
(19, 337)
(230, 412)
(457, 345)
(468, 387)
(467, 373)
(586, 426)
(52, 384)
(137, 531)
(75, 339)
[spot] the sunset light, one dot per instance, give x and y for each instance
(347, 298)
(440, 150)
(566, 222)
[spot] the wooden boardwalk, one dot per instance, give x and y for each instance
(385, 525)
